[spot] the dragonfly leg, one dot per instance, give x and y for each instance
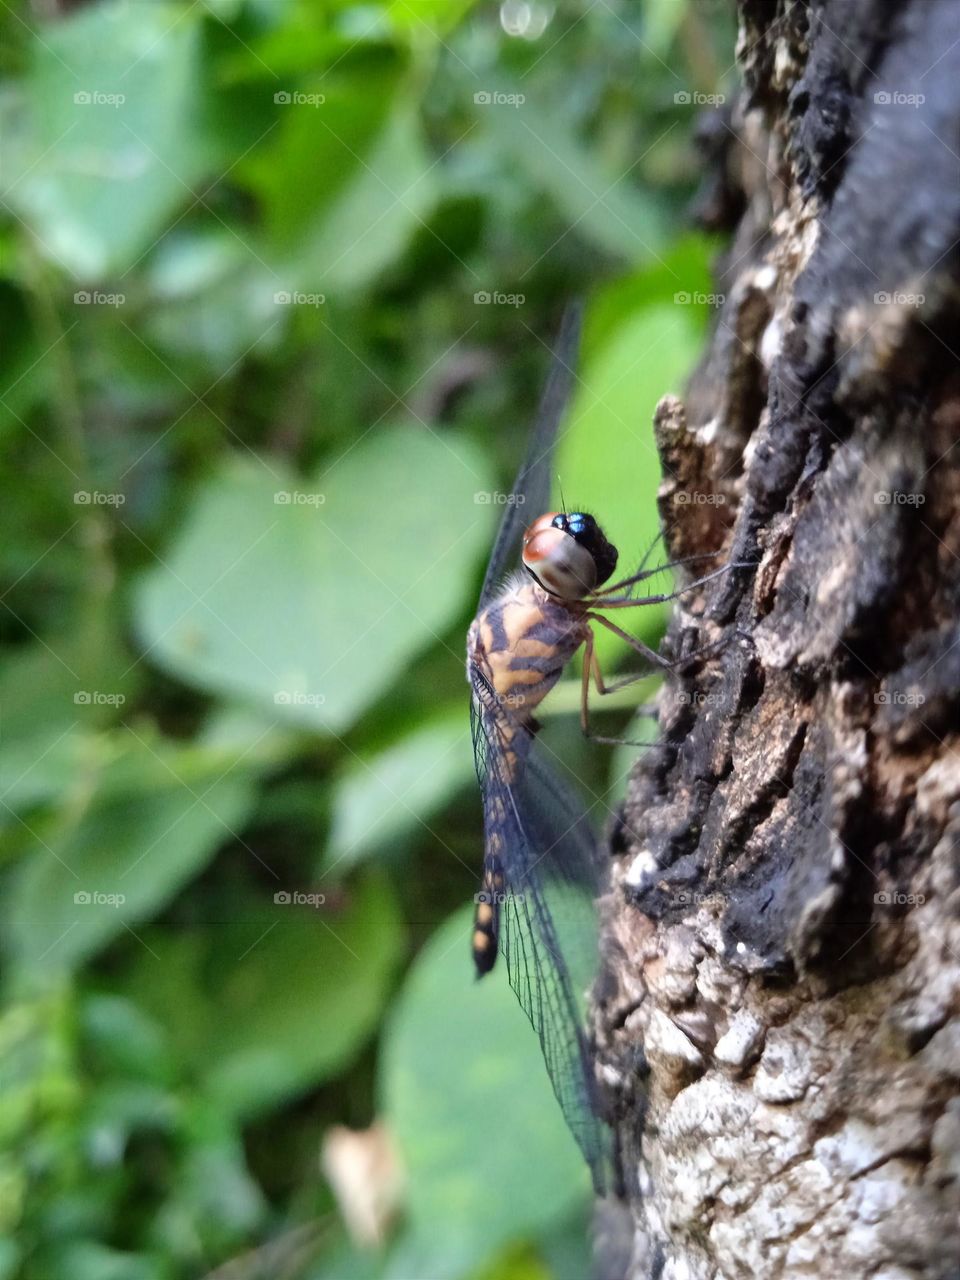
(658, 660)
(591, 666)
(628, 602)
(642, 574)
(655, 659)
(622, 682)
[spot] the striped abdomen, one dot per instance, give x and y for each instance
(486, 915)
(520, 644)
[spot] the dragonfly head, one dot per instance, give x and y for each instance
(568, 554)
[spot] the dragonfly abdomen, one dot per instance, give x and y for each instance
(517, 649)
(486, 915)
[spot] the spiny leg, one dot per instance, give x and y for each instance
(591, 664)
(642, 574)
(628, 602)
(657, 659)
(585, 684)
(645, 708)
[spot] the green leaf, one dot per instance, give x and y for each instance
(118, 98)
(119, 1109)
(299, 1000)
(684, 266)
(80, 678)
(10, 1258)
(56, 697)
(213, 300)
(88, 1260)
(610, 208)
(167, 986)
(277, 1002)
(118, 854)
(466, 1093)
(377, 801)
(293, 49)
(121, 1038)
(348, 180)
(323, 133)
(662, 20)
(345, 1261)
(429, 18)
(369, 225)
(314, 608)
(72, 764)
(216, 1199)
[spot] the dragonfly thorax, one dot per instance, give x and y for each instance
(521, 643)
(567, 554)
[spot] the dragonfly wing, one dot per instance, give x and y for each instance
(547, 930)
(531, 490)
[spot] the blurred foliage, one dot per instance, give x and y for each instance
(279, 282)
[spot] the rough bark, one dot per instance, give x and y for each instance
(779, 1025)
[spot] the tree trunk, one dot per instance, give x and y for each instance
(779, 1024)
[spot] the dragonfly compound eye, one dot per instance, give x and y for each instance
(588, 534)
(567, 558)
(568, 554)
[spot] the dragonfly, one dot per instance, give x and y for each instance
(542, 870)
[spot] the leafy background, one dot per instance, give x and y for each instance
(253, 424)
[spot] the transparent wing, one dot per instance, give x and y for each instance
(531, 489)
(547, 932)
